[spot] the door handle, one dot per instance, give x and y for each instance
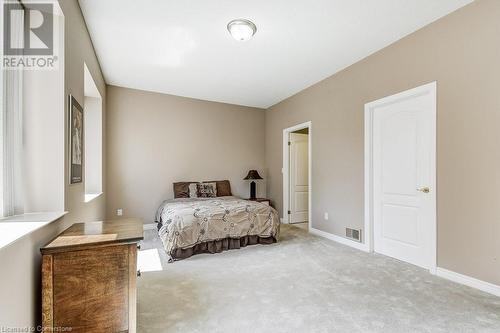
(424, 189)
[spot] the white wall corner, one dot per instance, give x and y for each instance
(469, 281)
(359, 246)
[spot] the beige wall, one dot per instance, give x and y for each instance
(20, 278)
(20, 261)
(157, 139)
(462, 53)
(79, 50)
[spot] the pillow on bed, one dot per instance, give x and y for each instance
(193, 190)
(223, 187)
(207, 190)
(181, 189)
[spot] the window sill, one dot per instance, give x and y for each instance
(91, 196)
(13, 228)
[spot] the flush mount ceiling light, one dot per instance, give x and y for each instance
(241, 29)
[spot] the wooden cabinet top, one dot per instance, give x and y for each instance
(83, 235)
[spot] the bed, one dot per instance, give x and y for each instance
(189, 226)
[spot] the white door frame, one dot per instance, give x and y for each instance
(286, 170)
(431, 89)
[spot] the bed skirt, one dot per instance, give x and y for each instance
(220, 245)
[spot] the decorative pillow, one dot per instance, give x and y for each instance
(207, 190)
(223, 187)
(193, 190)
(181, 189)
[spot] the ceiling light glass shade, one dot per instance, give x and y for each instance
(241, 29)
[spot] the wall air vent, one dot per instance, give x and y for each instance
(354, 234)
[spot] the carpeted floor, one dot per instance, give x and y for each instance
(303, 283)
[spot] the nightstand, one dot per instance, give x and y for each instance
(262, 200)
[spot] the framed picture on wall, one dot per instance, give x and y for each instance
(76, 141)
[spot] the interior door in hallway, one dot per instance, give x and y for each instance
(299, 178)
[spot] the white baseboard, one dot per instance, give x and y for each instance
(469, 281)
(283, 221)
(149, 226)
(338, 239)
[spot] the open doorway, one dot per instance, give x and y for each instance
(297, 175)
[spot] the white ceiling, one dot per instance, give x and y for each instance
(183, 48)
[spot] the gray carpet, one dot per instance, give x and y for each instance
(304, 283)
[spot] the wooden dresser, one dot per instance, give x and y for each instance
(89, 276)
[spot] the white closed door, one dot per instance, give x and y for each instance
(299, 178)
(403, 178)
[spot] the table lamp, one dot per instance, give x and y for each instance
(252, 175)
